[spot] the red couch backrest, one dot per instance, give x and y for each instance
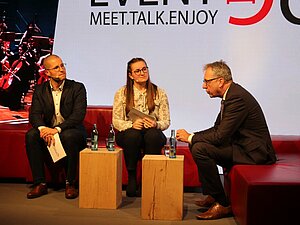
(102, 116)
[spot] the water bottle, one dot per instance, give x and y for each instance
(110, 145)
(94, 138)
(172, 139)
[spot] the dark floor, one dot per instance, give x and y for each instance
(53, 208)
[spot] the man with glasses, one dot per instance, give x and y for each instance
(240, 135)
(58, 107)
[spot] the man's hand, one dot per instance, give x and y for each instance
(182, 135)
(48, 135)
(49, 139)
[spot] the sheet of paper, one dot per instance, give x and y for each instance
(135, 114)
(57, 151)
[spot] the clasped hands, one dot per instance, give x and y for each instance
(47, 134)
(146, 122)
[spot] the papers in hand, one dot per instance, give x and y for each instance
(57, 151)
(135, 114)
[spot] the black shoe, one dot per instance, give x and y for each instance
(131, 186)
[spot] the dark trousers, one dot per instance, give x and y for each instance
(207, 157)
(151, 141)
(73, 140)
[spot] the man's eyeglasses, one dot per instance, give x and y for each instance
(209, 80)
(57, 68)
(138, 71)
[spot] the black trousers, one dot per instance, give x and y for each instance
(73, 141)
(207, 157)
(151, 141)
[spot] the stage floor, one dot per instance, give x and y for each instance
(53, 208)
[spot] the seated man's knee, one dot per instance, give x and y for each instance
(71, 134)
(72, 137)
(32, 135)
(199, 150)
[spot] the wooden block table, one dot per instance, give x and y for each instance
(162, 187)
(100, 178)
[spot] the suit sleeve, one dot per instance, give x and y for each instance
(38, 107)
(235, 111)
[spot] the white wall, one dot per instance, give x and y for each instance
(264, 57)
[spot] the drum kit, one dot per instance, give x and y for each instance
(21, 71)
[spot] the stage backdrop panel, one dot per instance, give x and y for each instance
(258, 39)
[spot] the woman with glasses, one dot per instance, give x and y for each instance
(140, 134)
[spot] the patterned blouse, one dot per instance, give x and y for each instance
(161, 111)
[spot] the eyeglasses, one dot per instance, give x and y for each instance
(138, 71)
(209, 80)
(57, 68)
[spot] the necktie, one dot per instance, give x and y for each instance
(222, 108)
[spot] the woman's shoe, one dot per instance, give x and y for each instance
(131, 186)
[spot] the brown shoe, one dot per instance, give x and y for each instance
(71, 192)
(37, 191)
(216, 211)
(207, 202)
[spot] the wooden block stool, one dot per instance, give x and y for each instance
(162, 187)
(100, 178)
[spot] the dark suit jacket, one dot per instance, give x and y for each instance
(243, 126)
(72, 105)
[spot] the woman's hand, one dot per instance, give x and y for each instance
(149, 123)
(138, 124)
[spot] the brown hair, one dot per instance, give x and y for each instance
(151, 88)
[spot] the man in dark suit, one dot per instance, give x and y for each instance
(240, 135)
(58, 106)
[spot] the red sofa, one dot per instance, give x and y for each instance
(259, 195)
(268, 194)
(14, 163)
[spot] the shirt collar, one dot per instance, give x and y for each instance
(136, 90)
(60, 88)
(224, 96)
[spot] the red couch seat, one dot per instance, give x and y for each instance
(267, 194)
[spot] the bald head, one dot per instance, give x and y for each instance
(47, 62)
(55, 69)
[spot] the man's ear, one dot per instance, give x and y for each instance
(47, 72)
(222, 82)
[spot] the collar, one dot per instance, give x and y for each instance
(224, 96)
(136, 90)
(60, 88)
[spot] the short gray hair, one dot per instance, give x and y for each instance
(220, 69)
